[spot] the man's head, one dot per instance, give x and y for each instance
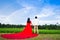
(35, 17)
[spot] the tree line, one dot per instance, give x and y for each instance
(10, 26)
(51, 26)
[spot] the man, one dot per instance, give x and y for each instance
(36, 23)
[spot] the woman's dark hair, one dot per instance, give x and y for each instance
(28, 20)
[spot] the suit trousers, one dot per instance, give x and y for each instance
(36, 29)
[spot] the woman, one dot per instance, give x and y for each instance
(26, 33)
(28, 28)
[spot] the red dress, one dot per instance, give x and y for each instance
(26, 33)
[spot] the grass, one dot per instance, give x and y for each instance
(49, 31)
(43, 34)
(15, 30)
(39, 37)
(10, 30)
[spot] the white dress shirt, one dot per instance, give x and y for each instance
(35, 22)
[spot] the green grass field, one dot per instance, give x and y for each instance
(43, 34)
(15, 30)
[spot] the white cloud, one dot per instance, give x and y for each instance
(17, 17)
(58, 17)
(4, 19)
(49, 22)
(46, 11)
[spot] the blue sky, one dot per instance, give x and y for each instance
(17, 11)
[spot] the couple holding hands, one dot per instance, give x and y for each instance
(27, 32)
(35, 23)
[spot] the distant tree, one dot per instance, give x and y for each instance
(0, 24)
(51, 26)
(3, 25)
